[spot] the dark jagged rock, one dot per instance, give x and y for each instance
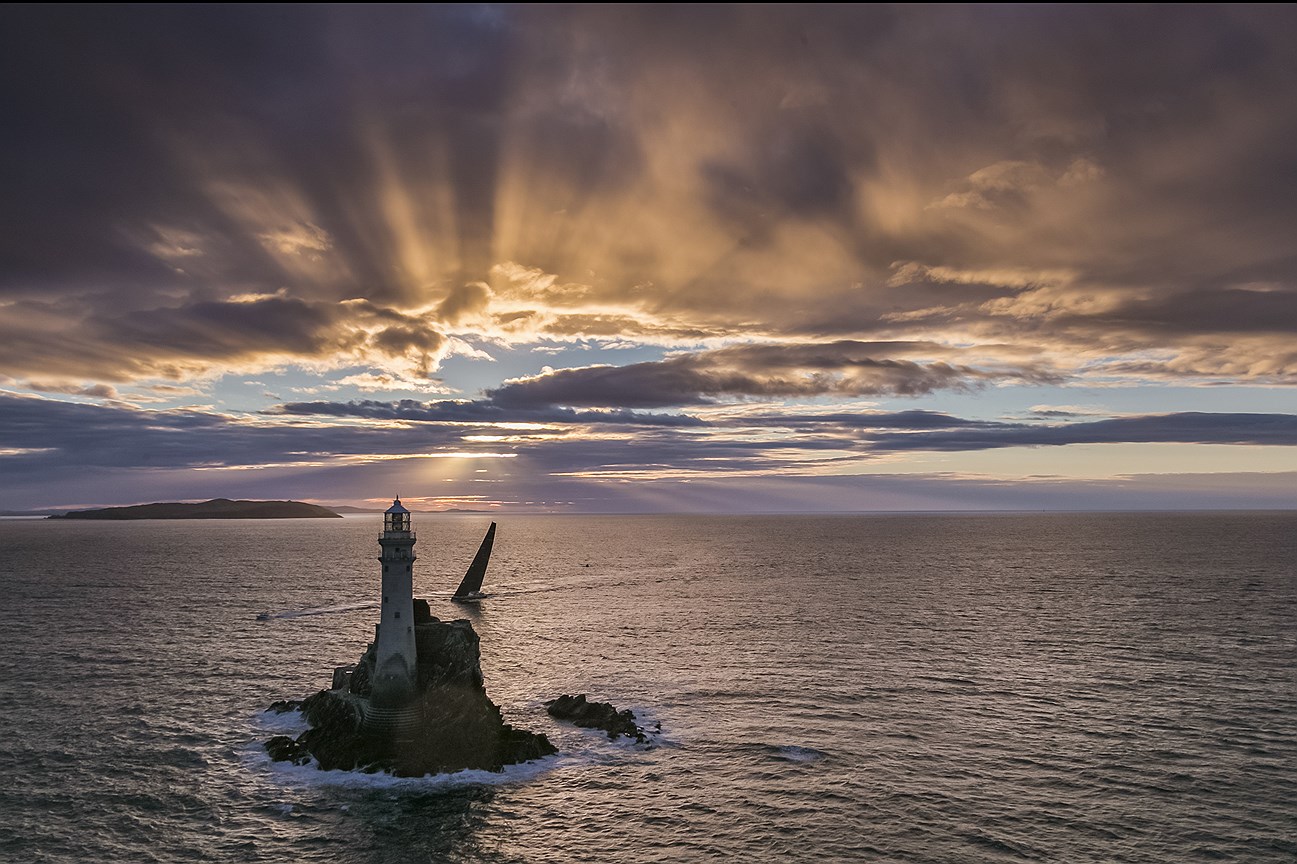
(452, 724)
(596, 715)
(323, 709)
(335, 738)
(449, 656)
(283, 706)
(284, 749)
(362, 677)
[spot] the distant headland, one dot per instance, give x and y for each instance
(218, 508)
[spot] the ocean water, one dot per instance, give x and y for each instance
(946, 688)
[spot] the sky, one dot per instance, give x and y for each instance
(650, 258)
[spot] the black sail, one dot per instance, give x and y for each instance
(473, 578)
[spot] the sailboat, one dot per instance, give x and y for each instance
(470, 590)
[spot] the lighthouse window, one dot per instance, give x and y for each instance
(398, 613)
(384, 598)
(384, 568)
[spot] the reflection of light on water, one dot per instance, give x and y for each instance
(746, 636)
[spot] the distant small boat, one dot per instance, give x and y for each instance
(263, 616)
(470, 590)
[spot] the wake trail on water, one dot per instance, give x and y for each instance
(324, 610)
(520, 591)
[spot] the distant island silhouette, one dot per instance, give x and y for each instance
(217, 508)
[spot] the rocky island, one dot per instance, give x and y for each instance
(580, 711)
(217, 508)
(415, 703)
(449, 725)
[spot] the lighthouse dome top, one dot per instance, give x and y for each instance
(397, 520)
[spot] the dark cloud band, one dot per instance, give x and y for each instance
(840, 368)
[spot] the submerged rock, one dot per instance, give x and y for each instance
(451, 725)
(596, 715)
(283, 706)
(284, 749)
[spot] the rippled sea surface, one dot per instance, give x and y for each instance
(860, 688)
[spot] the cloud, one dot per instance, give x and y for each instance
(872, 420)
(372, 382)
(110, 437)
(1064, 412)
(612, 173)
(464, 301)
(1181, 428)
(208, 330)
(842, 368)
(302, 238)
(364, 444)
(93, 391)
(879, 431)
(206, 337)
(453, 411)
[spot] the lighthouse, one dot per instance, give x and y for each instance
(394, 651)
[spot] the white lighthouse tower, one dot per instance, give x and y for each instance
(394, 651)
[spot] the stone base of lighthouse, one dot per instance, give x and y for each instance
(398, 721)
(450, 723)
